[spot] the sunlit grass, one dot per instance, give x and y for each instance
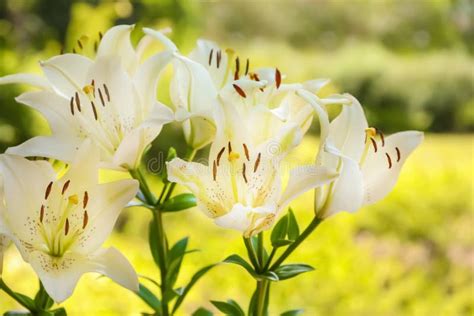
(411, 254)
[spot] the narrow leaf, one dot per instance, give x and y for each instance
(238, 260)
(293, 229)
(289, 271)
(153, 242)
(149, 298)
(200, 273)
(201, 311)
(294, 312)
(279, 231)
(269, 275)
(228, 308)
(179, 203)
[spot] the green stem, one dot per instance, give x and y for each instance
(17, 297)
(43, 300)
(251, 253)
(262, 290)
(260, 250)
(269, 260)
(311, 227)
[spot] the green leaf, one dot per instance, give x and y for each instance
(200, 273)
(289, 271)
(228, 308)
(175, 259)
(201, 311)
(281, 243)
(294, 312)
(42, 300)
(153, 241)
(17, 313)
(269, 275)
(279, 231)
(179, 203)
(238, 260)
(293, 229)
(59, 312)
(149, 298)
(237, 306)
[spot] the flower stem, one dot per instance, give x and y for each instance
(262, 290)
(260, 250)
(251, 253)
(311, 227)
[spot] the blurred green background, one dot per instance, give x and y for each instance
(410, 63)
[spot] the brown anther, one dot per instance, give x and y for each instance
(398, 154)
(100, 35)
(214, 170)
(94, 110)
(257, 162)
(85, 200)
(229, 145)
(246, 151)
(219, 155)
(66, 227)
(61, 51)
(210, 56)
(101, 97)
(85, 219)
(73, 50)
(80, 44)
(256, 77)
(96, 46)
(389, 160)
(65, 186)
(106, 92)
(41, 213)
(237, 68)
(243, 173)
(247, 65)
(71, 105)
(382, 138)
(48, 190)
(374, 143)
(78, 102)
(93, 83)
(239, 91)
(277, 78)
(219, 56)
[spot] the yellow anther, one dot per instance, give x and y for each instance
(89, 89)
(230, 51)
(233, 156)
(370, 132)
(73, 199)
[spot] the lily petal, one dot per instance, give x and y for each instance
(112, 263)
(116, 42)
(29, 79)
(303, 179)
(25, 184)
(382, 168)
(57, 147)
(347, 191)
(147, 75)
(106, 201)
(67, 73)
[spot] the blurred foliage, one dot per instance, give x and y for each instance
(411, 254)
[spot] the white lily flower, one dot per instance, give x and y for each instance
(210, 73)
(369, 166)
(241, 186)
(110, 100)
(59, 224)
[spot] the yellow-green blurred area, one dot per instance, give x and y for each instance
(410, 63)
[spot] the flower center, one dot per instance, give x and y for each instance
(62, 219)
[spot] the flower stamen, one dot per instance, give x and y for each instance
(257, 162)
(85, 219)
(246, 151)
(389, 160)
(398, 154)
(65, 186)
(277, 78)
(239, 91)
(219, 155)
(48, 190)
